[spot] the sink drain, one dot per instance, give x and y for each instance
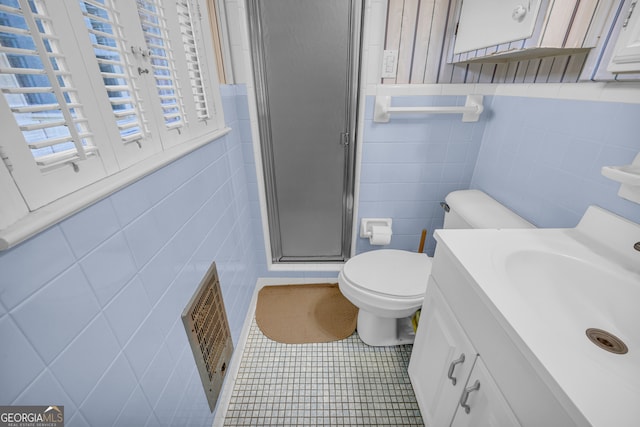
(606, 341)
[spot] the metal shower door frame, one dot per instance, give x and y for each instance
(266, 141)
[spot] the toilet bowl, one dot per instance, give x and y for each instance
(388, 285)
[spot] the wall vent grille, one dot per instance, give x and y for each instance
(207, 327)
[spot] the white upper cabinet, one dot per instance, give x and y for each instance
(504, 30)
(486, 23)
(626, 54)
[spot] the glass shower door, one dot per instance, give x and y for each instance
(305, 63)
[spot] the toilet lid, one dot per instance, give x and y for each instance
(389, 272)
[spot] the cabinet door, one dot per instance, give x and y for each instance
(441, 359)
(484, 402)
(626, 55)
(485, 23)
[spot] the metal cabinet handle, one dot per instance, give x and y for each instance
(465, 396)
(452, 367)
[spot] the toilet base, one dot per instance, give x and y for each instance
(379, 331)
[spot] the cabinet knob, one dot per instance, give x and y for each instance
(465, 395)
(519, 13)
(452, 367)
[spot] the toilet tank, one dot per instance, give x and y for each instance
(475, 209)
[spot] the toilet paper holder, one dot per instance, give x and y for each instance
(367, 224)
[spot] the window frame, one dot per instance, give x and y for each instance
(118, 168)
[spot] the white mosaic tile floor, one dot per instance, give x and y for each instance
(342, 383)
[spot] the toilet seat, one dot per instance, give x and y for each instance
(389, 272)
(386, 282)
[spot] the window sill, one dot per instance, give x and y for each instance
(51, 214)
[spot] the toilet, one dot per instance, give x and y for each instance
(388, 285)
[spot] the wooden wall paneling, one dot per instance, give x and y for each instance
(447, 70)
(500, 73)
(420, 31)
(582, 20)
(436, 41)
(459, 73)
(394, 29)
(602, 21)
(561, 14)
(574, 68)
(473, 73)
(533, 66)
(407, 38)
(557, 69)
(424, 33)
(544, 70)
(487, 73)
(521, 72)
(444, 74)
(511, 72)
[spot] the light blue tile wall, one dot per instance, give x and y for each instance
(542, 157)
(90, 308)
(244, 126)
(411, 163)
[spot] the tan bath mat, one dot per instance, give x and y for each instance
(297, 314)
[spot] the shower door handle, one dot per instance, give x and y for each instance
(344, 139)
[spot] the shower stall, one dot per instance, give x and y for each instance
(305, 60)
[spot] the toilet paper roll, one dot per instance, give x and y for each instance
(380, 235)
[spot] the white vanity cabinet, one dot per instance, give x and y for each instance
(450, 382)
(457, 317)
(482, 404)
(444, 360)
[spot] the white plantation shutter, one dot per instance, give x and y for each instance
(42, 113)
(110, 49)
(92, 87)
(154, 27)
(188, 30)
(38, 88)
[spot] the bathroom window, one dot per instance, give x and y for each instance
(93, 87)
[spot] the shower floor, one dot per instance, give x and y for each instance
(342, 383)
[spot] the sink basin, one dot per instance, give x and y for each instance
(575, 294)
(547, 287)
(555, 297)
